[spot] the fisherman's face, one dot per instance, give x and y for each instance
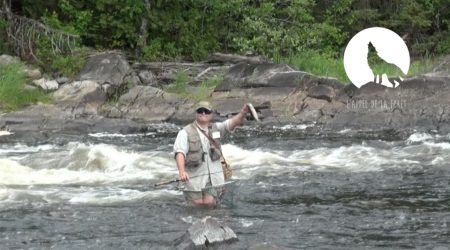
(203, 115)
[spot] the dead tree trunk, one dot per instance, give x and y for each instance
(142, 40)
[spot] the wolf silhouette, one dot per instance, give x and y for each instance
(382, 69)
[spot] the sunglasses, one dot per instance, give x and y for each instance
(203, 110)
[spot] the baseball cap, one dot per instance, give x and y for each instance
(203, 104)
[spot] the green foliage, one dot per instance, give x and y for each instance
(212, 82)
(152, 51)
(53, 20)
(421, 66)
(205, 89)
(51, 62)
(203, 93)
(199, 93)
(13, 95)
(321, 64)
(277, 29)
(318, 64)
(180, 85)
(443, 45)
(68, 65)
(3, 41)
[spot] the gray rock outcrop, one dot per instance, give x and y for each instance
(284, 95)
(279, 93)
(149, 104)
(81, 97)
(108, 69)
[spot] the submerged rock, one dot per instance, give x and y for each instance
(204, 234)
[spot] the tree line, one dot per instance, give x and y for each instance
(191, 29)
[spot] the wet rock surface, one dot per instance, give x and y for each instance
(112, 89)
(206, 234)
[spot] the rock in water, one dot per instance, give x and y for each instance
(205, 233)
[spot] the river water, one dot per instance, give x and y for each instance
(292, 189)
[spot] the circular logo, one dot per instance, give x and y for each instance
(376, 55)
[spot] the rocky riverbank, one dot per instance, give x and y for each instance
(111, 95)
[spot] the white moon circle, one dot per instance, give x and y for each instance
(390, 46)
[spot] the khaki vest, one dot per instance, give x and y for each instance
(195, 155)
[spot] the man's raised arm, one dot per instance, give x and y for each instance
(238, 118)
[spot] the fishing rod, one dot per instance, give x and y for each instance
(195, 176)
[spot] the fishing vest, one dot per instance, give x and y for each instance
(195, 156)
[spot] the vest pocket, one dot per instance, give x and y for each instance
(194, 159)
(195, 155)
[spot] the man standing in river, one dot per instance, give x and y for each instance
(197, 153)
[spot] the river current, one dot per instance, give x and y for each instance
(95, 191)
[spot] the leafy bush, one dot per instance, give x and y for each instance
(13, 94)
(180, 85)
(277, 29)
(322, 64)
(318, 64)
(3, 41)
(68, 65)
(199, 93)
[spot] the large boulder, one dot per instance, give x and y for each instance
(265, 74)
(34, 118)
(108, 69)
(278, 92)
(282, 94)
(82, 97)
(80, 92)
(254, 75)
(39, 122)
(419, 102)
(149, 104)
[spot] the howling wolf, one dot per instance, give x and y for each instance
(381, 69)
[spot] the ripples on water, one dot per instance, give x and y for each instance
(293, 191)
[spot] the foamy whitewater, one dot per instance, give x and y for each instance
(118, 170)
(105, 165)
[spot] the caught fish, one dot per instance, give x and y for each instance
(253, 112)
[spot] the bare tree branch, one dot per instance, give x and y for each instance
(24, 33)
